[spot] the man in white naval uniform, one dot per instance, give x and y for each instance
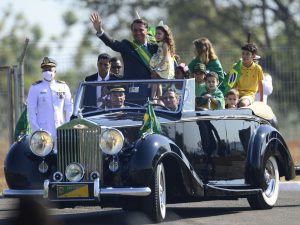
(49, 101)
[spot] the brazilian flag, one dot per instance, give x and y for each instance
(151, 34)
(233, 77)
(150, 124)
(22, 126)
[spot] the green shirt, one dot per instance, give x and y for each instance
(217, 94)
(212, 65)
(199, 89)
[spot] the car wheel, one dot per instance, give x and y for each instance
(268, 198)
(155, 204)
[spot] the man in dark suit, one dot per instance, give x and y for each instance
(135, 65)
(93, 95)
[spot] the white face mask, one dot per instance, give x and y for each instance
(48, 75)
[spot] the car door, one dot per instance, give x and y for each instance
(205, 140)
(239, 131)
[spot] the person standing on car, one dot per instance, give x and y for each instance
(136, 54)
(94, 95)
(49, 101)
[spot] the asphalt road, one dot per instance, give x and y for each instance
(286, 211)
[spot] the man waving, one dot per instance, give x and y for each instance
(136, 54)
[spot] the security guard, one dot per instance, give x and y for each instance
(49, 101)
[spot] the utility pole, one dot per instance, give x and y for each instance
(21, 76)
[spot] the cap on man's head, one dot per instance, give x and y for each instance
(116, 89)
(250, 48)
(46, 61)
(200, 67)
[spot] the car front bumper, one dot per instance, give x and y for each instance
(91, 191)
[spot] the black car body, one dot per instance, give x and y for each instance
(103, 159)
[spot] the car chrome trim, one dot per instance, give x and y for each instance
(46, 189)
(96, 188)
(16, 193)
(225, 191)
(141, 191)
(218, 117)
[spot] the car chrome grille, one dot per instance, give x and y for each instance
(79, 143)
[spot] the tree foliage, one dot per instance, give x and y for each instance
(273, 24)
(14, 28)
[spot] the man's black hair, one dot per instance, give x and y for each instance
(139, 21)
(104, 56)
(250, 48)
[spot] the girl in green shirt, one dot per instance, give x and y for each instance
(205, 53)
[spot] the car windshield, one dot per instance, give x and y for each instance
(115, 95)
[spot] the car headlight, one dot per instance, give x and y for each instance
(41, 143)
(111, 141)
(74, 172)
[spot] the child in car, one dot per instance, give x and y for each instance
(200, 73)
(211, 97)
(231, 99)
(162, 62)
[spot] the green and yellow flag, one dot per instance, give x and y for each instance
(233, 77)
(22, 126)
(150, 124)
(151, 34)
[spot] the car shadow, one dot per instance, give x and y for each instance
(118, 216)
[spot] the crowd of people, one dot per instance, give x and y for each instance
(150, 57)
(158, 60)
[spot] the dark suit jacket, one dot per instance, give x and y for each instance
(134, 67)
(90, 94)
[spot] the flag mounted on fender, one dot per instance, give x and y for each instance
(22, 126)
(150, 124)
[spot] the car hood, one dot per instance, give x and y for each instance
(123, 119)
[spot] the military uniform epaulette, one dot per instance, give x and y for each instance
(37, 82)
(60, 81)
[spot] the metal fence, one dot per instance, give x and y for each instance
(6, 107)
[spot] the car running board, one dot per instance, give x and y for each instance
(233, 190)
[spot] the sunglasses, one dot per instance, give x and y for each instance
(116, 67)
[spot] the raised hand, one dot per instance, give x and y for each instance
(96, 20)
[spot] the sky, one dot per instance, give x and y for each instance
(48, 14)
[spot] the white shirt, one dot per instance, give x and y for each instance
(267, 87)
(99, 88)
(49, 105)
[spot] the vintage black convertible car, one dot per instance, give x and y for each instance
(101, 157)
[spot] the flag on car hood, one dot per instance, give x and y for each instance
(150, 124)
(22, 126)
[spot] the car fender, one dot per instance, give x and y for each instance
(21, 166)
(266, 141)
(155, 148)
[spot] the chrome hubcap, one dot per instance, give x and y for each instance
(270, 178)
(162, 191)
